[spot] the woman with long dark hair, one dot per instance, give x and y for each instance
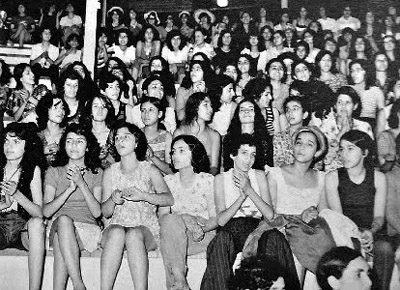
(372, 98)
(199, 77)
(52, 112)
(198, 114)
(176, 54)
(21, 104)
(99, 116)
(248, 119)
(72, 194)
(325, 71)
(70, 90)
(190, 225)
(21, 166)
(148, 46)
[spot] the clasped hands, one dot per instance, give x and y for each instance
(131, 194)
(74, 175)
(242, 182)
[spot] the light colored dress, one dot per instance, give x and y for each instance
(195, 200)
(292, 200)
(135, 213)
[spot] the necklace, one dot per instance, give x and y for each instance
(12, 175)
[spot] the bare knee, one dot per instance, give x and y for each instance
(36, 225)
(115, 231)
(135, 235)
(64, 221)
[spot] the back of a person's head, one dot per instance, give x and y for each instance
(256, 273)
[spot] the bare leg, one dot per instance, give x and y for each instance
(137, 258)
(111, 257)
(60, 272)
(69, 249)
(22, 37)
(36, 231)
(19, 30)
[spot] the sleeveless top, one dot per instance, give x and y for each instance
(231, 192)
(357, 200)
(134, 213)
(195, 200)
(292, 200)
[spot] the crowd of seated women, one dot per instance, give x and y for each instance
(266, 142)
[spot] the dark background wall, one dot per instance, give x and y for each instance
(235, 6)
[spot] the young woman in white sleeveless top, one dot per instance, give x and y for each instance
(241, 199)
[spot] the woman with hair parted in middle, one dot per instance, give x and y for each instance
(23, 100)
(72, 194)
(52, 114)
(198, 114)
(21, 203)
(198, 79)
(70, 89)
(248, 119)
(132, 190)
(176, 54)
(190, 226)
(372, 97)
(99, 117)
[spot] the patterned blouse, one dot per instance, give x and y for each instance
(336, 82)
(157, 144)
(283, 148)
(135, 213)
(196, 200)
(331, 130)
